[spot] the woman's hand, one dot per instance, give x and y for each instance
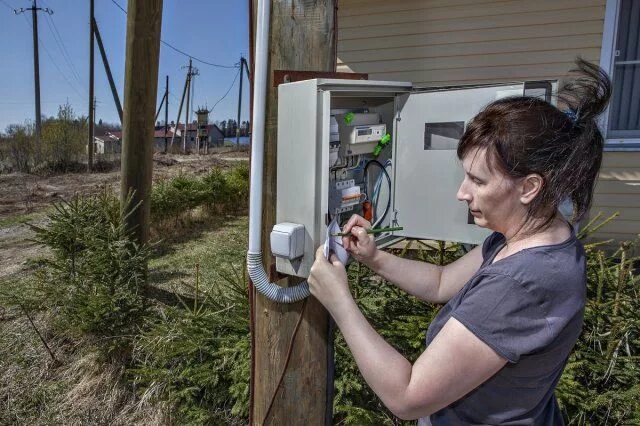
(328, 280)
(361, 245)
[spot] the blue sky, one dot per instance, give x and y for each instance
(213, 30)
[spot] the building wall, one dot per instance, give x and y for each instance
(437, 42)
(444, 42)
(618, 190)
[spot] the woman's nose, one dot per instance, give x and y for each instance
(463, 194)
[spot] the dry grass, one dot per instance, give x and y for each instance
(78, 388)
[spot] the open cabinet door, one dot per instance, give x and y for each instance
(427, 172)
(303, 167)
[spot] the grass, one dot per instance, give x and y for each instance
(80, 387)
(20, 219)
(213, 243)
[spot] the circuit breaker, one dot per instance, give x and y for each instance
(384, 150)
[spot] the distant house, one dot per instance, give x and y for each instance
(159, 138)
(107, 143)
(111, 142)
(215, 137)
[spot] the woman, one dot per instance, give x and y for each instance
(514, 305)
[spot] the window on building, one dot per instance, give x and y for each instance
(624, 110)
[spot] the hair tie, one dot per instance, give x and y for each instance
(572, 114)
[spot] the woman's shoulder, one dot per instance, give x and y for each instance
(552, 278)
(494, 240)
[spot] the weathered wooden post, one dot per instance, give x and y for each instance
(144, 19)
(301, 38)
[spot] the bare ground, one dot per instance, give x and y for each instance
(26, 198)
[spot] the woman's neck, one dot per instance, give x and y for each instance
(556, 232)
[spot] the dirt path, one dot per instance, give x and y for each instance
(26, 197)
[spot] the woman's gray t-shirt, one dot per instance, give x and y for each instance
(528, 307)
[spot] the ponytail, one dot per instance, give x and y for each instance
(587, 97)
(524, 135)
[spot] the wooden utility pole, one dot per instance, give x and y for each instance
(166, 114)
(184, 91)
(36, 67)
(302, 38)
(239, 104)
(144, 19)
(90, 142)
(187, 118)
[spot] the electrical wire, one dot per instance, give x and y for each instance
(202, 61)
(228, 90)
(53, 61)
(378, 186)
(366, 179)
(63, 49)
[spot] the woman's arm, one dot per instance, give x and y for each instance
(428, 282)
(432, 283)
(455, 363)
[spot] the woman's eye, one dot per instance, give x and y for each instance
(478, 181)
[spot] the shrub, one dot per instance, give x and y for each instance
(95, 276)
(238, 179)
(601, 382)
(197, 357)
(21, 146)
(64, 140)
(219, 191)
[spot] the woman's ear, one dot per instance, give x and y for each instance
(531, 186)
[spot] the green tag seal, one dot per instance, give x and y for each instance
(381, 144)
(348, 117)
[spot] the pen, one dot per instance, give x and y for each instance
(370, 231)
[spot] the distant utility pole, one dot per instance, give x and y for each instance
(184, 91)
(107, 69)
(36, 64)
(91, 96)
(192, 71)
(166, 114)
(140, 95)
(243, 63)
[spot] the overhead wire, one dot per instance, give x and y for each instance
(64, 76)
(63, 49)
(228, 90)
(182, 52)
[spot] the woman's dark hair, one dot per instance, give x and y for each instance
(524, 135)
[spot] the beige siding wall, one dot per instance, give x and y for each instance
(436, 42)
(618, 190)
(442, 42)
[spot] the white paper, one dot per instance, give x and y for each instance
(334, 243)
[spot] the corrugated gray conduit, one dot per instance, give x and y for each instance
(254, 254)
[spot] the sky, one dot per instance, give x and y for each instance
(214, 31)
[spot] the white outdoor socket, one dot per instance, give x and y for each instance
(287, 240)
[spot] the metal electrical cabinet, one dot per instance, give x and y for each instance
(425, 125)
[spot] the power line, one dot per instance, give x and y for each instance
(51, 23)
(61, 46)
(228, 90)
(53, 61)
(119, 7)
(197, 59)
(182, 51)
